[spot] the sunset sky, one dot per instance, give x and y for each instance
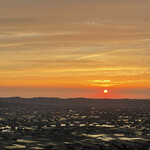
(75, 48)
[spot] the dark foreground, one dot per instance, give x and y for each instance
(74, 124)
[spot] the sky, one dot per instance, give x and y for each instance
(75, 48)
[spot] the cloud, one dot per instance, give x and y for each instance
(11, 45)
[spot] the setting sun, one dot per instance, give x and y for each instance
(105, 91)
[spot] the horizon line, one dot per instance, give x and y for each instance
(78, 98)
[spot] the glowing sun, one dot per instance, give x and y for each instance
(105, 91)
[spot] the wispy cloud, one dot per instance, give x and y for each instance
(11, 45)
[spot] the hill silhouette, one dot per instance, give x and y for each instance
(59, 102)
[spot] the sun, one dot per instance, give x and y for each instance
(105, 91)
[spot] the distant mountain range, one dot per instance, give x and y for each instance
(71, 102)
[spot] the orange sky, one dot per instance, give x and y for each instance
(74, 48)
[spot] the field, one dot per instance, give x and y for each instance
(74, 124)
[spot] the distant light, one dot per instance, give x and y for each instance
(105, 91)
